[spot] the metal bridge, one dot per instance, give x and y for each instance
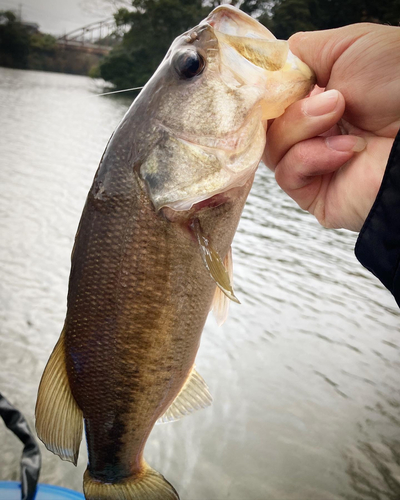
(93, 38)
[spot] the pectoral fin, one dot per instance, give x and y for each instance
(194, 396)
(59, 421)
(214, 264)
(220, 304)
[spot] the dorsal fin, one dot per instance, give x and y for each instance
(193, 396)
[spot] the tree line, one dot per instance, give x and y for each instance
(23, 46)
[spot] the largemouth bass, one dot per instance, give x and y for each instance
(152, 249)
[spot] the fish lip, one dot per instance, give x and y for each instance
(217, 15)
(238, 20)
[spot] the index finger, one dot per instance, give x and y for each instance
(321, 49)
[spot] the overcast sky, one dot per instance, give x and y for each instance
(58, 16)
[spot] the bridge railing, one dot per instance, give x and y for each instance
(94, 35)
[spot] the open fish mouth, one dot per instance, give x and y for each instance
(253, 41)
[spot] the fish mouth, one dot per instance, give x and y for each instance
(239, 33)
(251, 40)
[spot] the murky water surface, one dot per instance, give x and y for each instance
(305, 373)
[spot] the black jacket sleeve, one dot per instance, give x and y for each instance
(31, 460)
(378, 244)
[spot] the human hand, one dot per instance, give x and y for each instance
(337, 177)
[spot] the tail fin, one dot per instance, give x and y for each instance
(147, 485)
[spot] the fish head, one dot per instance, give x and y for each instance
(208, 104)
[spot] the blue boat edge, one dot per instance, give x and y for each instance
(62, 493)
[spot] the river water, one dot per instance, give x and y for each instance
(305, 372)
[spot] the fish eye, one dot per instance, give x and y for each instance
(189, 63)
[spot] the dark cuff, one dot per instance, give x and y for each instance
(378, 244)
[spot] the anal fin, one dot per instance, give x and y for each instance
(193, 396)
(59, 420)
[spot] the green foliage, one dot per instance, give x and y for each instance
(7, 16)
(14, 41)
(289, 16)
(94, 71)
(43, 41)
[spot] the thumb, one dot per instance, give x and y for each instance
(321, 49)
